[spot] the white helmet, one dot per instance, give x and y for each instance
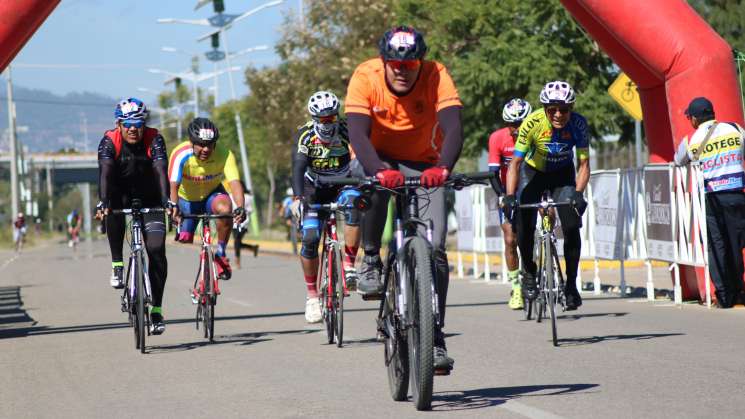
(558, 91)
(516, 110)
(288, 192)
(324, 104)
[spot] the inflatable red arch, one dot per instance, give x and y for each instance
(671, 53)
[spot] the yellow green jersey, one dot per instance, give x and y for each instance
(548, 149)
(198, 178)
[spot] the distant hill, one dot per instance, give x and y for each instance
(55, 122)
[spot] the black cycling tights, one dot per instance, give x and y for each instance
(154, 236)
(561, 184)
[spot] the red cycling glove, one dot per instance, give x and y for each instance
(434, 176)
(390, 178)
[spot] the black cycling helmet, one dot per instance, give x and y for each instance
(402, 43)
(203, 130)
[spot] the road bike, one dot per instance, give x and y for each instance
(409, 312)
(136, 297)
(206, 284)
(331, 276)
(550, 280)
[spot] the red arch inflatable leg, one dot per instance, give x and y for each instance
(20, 20)
(664, 44)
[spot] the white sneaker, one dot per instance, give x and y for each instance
(313, 310)
(116, 281)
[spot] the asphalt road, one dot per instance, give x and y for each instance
(67, 351)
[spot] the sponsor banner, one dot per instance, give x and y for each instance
(492, 225)
(658, 203)
(464, 215)
(607, 214)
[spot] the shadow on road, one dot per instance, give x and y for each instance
(12, 313)
(488, 397)
(589, 315)
(597, 339)
(240, 339)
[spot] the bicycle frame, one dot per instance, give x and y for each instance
(136, 251)
(206, 256)
(329, 239)
(406, 226)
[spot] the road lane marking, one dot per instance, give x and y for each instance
(528, 411)
(239, 302)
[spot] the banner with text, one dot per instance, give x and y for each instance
(658, 201)
(608, 215)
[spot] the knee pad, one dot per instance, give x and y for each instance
(352, 217)
(348, 197)
(311, 237)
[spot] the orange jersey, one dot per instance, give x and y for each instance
(403, 127)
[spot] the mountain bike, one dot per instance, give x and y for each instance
(137, 294)
(206, 284)
(409, 313)
(550, 280)
(331, 277)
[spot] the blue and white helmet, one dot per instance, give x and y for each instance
(516, 110)
(130, 108)
(557, 92)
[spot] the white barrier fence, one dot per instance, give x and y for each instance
(653, 213)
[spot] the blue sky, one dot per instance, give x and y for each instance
(122, 39)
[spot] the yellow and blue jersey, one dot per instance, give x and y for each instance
(547, 149)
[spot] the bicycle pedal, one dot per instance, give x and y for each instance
(443, 371)
(372, 297)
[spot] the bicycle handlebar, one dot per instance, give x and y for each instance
(545, 205)
(128, 211)
(206, 216)
(456, 180)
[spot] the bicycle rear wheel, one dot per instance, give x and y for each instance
(422, 322)
(395, 345)
(550, 294)
(338, 296)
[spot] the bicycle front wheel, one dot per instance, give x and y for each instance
(208, 302)
(396, 351)
(421, 322)
(338, 296)
(550, 292)
(326, 287)
(140, 296)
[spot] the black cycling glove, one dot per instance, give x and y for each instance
(509, 205)
(579, 203)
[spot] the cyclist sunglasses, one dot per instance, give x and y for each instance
(407, 65)
(137, 123)
(554, 109)
(326, 119)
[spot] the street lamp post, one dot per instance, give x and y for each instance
(223, 22)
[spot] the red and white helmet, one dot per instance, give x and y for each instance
(557, 92)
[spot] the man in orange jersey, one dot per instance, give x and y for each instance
(403, 115)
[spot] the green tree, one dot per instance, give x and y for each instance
(726, 17)
(497, 50)
(335, 36)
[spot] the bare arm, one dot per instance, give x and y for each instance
(583, 174)
(174, 191)
(236, 189)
